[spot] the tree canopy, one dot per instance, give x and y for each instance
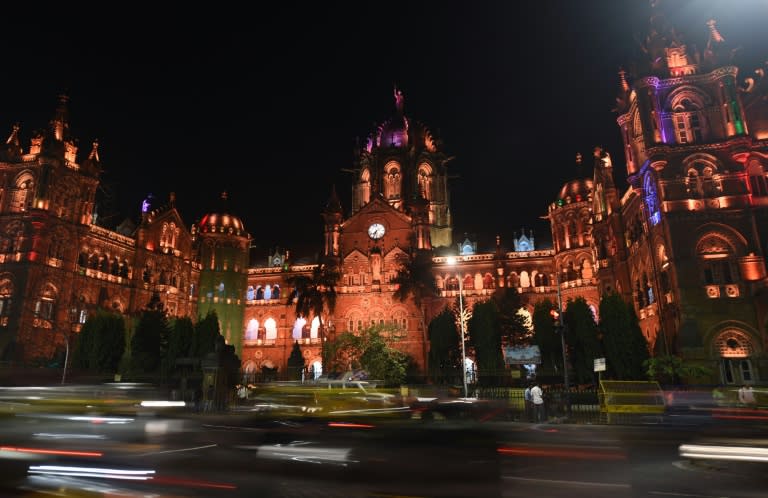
(101, 342)
(626, 349)
(371, 351)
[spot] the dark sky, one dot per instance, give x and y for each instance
(267, 105)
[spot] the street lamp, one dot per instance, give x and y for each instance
(66, 356)
(452, 262)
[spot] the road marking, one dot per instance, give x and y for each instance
(178, 451)
(570, 483)
(669, 493)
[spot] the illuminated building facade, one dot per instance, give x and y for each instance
(684, 243)
(57, 265)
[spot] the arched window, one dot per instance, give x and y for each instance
(365, 187)
(314, 328)
(276, 292)
(252, 330)
(687, 106)
(45, 304)
(271, 327)
(259, 293)
(21, 199)
(451, 284)
(249, 294)
(268, 292)
(298, 327)
(488, 281)
(425, 180)
(392, 180)
(6, 292)
(468, 282)
(717, 260)
(525, 280)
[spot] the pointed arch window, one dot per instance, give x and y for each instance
(45, 304)
(365, 187)
(392, 180)
(6, 293)
(271, 328)
(425, 180)
(298, 328)
(687, 118)
(21, 199)
(252, 330)
(717, 260)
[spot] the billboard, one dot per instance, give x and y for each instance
(522, 355)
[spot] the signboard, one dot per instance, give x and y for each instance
(599, 364)
(525, 355)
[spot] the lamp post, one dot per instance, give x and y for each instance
(66, 357)
(452, 262)
(561, 324)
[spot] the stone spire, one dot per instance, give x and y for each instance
(60, 121)
(12, 149)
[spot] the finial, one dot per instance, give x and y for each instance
(498, 240)
(578, 158)
(623, 79)
(714, 34)
(597, 151)
(13, 138)
(224, 196)
(172, 198)
(399, 100)
(94, 155)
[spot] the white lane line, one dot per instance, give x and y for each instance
(178, 451)
(669, 493)
(569, 483)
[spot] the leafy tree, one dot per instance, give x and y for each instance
(149, 338)
(180, 341)
(444, 350)
(295, 362)
(545, 336)
(625, 347)
(513, 324)
(371, 351)
(671, 369)
(581, 335)
(485, 336)
(101, 342)
(206, 332)
(313, 294)
(416, 279)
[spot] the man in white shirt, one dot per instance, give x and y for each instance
(537, 396)
(747, 396)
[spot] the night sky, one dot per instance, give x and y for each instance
(267, 105)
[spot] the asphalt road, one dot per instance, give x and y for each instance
(237, 456)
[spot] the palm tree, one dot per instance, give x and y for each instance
(416, 279)
(313, 294)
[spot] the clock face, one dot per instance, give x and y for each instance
(376, 231)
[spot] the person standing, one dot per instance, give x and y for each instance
(537, 398)
(747, 396)
(528, 403)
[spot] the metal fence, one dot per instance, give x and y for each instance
(574, 405)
